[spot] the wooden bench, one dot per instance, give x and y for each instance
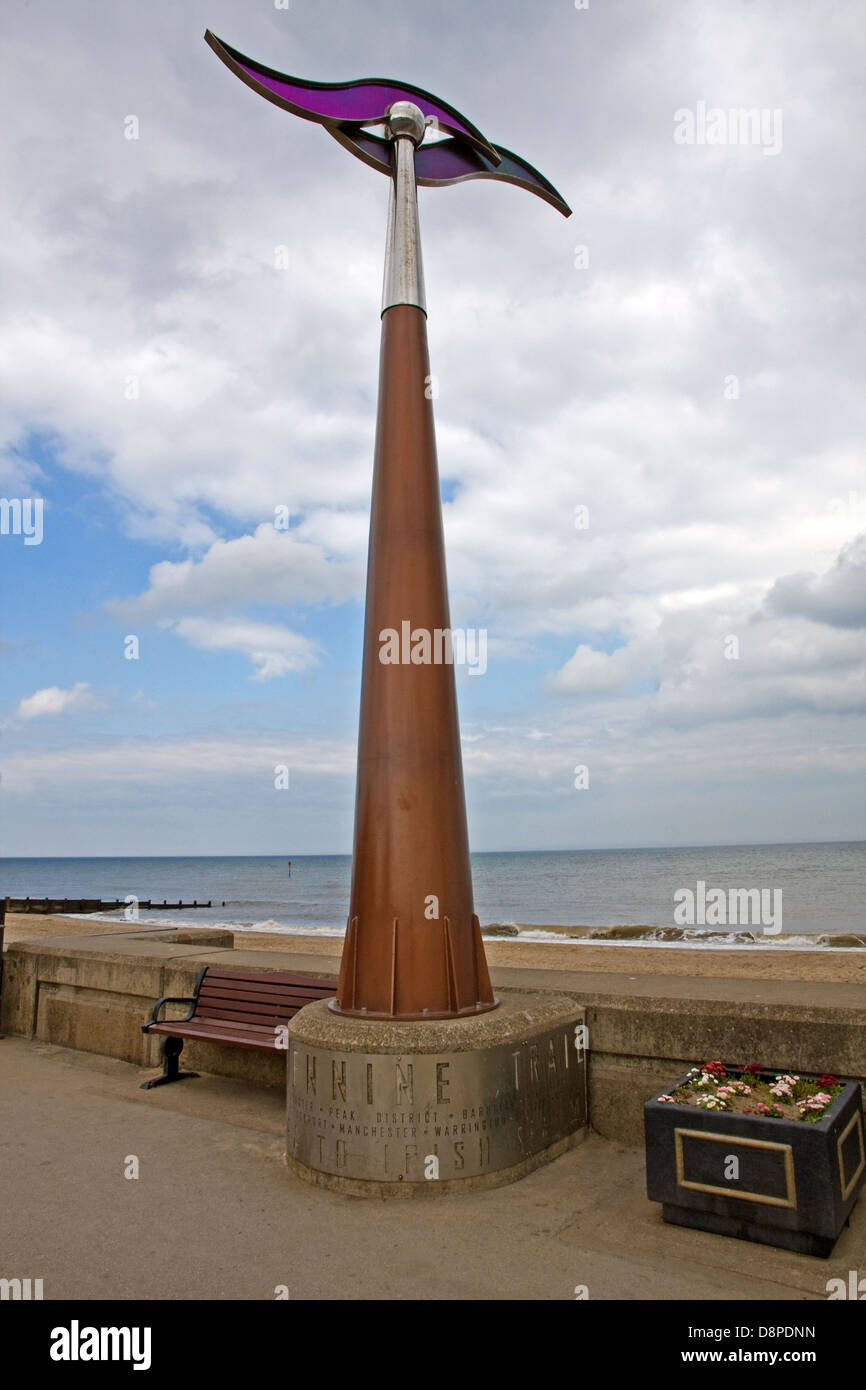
(240, 1009)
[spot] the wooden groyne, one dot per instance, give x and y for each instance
(50, 905)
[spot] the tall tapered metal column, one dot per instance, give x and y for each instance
(413, 953)
(413, 945)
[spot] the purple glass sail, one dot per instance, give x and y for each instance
(343, 108)
(449, 161)
(337, 103)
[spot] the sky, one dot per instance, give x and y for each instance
(650, 422)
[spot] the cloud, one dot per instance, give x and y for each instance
(699, 666)
(53, 700)
(171, 763)
(837, 598)
(268, 566)
(591, 672)
(273, 650)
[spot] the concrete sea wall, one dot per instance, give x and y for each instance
(646, 1027)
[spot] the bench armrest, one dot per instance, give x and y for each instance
(170, 999)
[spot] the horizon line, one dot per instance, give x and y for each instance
(340, 854)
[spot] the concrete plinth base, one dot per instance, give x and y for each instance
(422, 1109)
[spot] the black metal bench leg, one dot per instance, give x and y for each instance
(170, 1049)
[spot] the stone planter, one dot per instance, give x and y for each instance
(796, 1182)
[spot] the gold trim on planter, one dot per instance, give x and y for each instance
(790, 1200)
(848, 1188)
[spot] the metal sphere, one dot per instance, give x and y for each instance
(405, 118)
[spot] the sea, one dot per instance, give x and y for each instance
(809, 891)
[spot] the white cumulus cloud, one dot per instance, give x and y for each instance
(273, 650)
(53, 700)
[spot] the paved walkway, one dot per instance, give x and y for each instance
(215, 1214)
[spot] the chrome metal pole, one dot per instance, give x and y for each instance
(404, 273)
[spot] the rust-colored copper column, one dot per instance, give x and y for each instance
(413, 944)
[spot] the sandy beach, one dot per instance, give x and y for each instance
(747, 962)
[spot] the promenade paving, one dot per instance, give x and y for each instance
(215, 1214)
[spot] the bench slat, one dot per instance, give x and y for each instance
(295, 998)
(265, 1042)
(209, 1026)
(269, 1020)
(272, 998)
(266, 1032)
(241, 1020)
(264, 1000)
(285, 1008)
(226, 1025)
(272, 977)
(237, 1025)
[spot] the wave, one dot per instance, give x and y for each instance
(729, 942)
